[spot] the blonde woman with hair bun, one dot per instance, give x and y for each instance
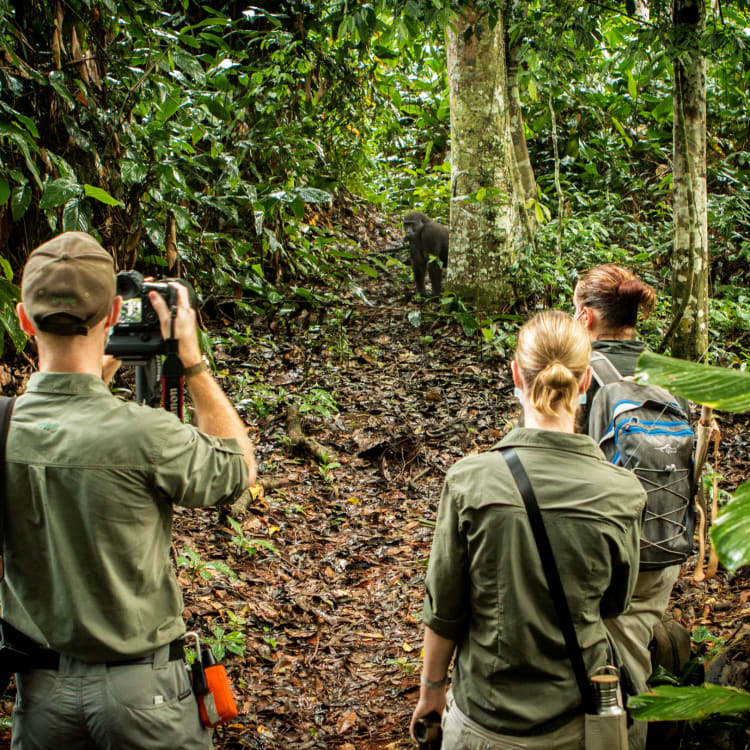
(487, 602)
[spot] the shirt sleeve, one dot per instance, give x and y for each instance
(625, 565)
(197, 470)
(446, 604)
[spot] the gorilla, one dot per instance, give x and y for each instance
(426, 238)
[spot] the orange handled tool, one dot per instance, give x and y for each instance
(212, 688)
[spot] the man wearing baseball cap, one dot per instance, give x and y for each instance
(91, 483)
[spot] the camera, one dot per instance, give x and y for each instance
(137, 333)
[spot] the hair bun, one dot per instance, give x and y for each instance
(554, 382)
(552, 355)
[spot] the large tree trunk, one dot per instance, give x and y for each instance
(521, 152)
(690, 257)
(487, 193)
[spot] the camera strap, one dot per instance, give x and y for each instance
(554, 583)
(172, 381)
(6, 409)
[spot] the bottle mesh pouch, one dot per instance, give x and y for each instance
(644, 429)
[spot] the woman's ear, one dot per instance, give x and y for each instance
(586, 381)
(516, 374)
(590, 317)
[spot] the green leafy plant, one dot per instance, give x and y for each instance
(326, 468)
(403, 664)
(10, 294)
(262, 400)
(223, 639)
(318, 401)
(669, 703)
(245, 543)
(196, 567)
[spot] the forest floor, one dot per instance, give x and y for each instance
(322, 632)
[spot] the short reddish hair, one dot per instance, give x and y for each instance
(617, 293)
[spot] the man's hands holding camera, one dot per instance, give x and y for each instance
(185, 324)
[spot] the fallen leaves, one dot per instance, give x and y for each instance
(345, 722)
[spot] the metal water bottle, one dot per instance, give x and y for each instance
(607, 729)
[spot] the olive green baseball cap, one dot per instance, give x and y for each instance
(68, 284)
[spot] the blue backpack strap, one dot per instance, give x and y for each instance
(604, 371)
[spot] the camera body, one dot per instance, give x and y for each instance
(137, 333)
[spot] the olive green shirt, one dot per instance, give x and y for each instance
(486, 589)
(91, 480)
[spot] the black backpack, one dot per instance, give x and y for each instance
(644, 429)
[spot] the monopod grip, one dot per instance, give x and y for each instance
(428, 732)
(200, 687)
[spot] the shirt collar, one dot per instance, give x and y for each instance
(530, 437)
(618, 346)
(68, 383)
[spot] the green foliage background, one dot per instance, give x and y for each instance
(239, 124)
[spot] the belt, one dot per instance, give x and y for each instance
(46, 658)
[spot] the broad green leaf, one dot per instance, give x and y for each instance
(9, 295)
(313, 195)
(77, 216)
(538, 212)
(20, 200)
(621, 130)
(663, 110)
(100, 195)
(298, 208)
(29, 124)
(170, 105)
(632, 88)
(197, 133)
(57, 81)
(731, 530)
(369, 270)
(668, 703)
(58, 192)
(718, 387)
(4, 190)
(467, 321)
(189, 64)
(7, 270)
(533, 91)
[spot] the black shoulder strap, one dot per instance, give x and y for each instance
(552, 575)
(604, 371)
(6, 408)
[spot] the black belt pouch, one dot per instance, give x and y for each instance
(16, 653)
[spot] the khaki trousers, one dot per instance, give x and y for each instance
(85, 706)
(633, 630)
(461, 733)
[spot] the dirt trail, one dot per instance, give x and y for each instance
(328, 625)
(331, 623)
